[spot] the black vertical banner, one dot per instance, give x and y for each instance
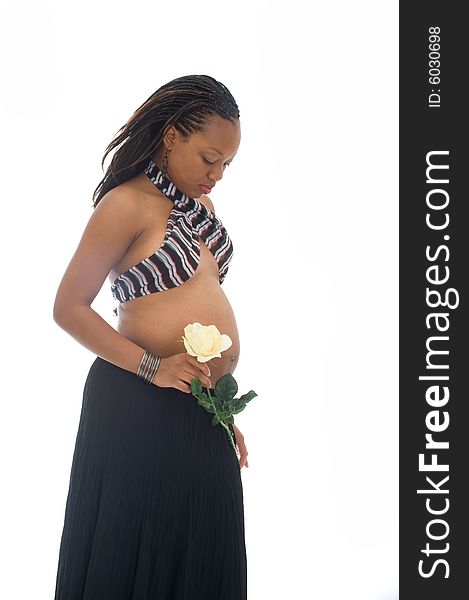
(434, 272)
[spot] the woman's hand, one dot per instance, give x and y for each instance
(243, 459)
(178, 370)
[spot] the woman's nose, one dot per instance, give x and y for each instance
(216, 173)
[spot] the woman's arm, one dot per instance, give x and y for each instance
(113, 226)
(88, 328)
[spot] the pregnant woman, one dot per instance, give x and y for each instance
(155, 502)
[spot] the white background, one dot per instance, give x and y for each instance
(311, 205)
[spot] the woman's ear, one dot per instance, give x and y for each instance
(170, 136)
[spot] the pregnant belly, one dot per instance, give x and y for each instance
(156, 322)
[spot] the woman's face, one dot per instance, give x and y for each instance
(197, 163)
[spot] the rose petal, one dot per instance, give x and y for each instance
(203, 359)
(225, 342)
(188, 347)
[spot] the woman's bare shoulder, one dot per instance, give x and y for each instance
(125, 194)
(125, 202)
(205, 200)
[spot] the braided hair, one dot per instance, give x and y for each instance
(185, 103)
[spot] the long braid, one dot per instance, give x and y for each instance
(185, 103)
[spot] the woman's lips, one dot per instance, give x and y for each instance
(205, 189)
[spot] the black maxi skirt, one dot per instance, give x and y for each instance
(154, 508)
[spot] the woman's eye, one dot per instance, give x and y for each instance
(212, 163)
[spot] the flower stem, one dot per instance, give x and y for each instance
(222, 422)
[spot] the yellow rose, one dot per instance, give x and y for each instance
(205, 341)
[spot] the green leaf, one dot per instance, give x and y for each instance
(206, 405)
(230, 405)
(248, 396)
(226, 387)
(223, 405)
(196, 386)
(217, 401)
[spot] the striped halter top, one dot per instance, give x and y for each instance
(178, 257)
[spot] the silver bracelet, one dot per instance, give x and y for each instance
(148, 366)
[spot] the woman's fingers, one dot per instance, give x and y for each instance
(183, 386)
(199, 371)
(243, 451)
(204, 380)
(202, 367)
(178, 370)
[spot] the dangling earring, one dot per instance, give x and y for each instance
(164, 165)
